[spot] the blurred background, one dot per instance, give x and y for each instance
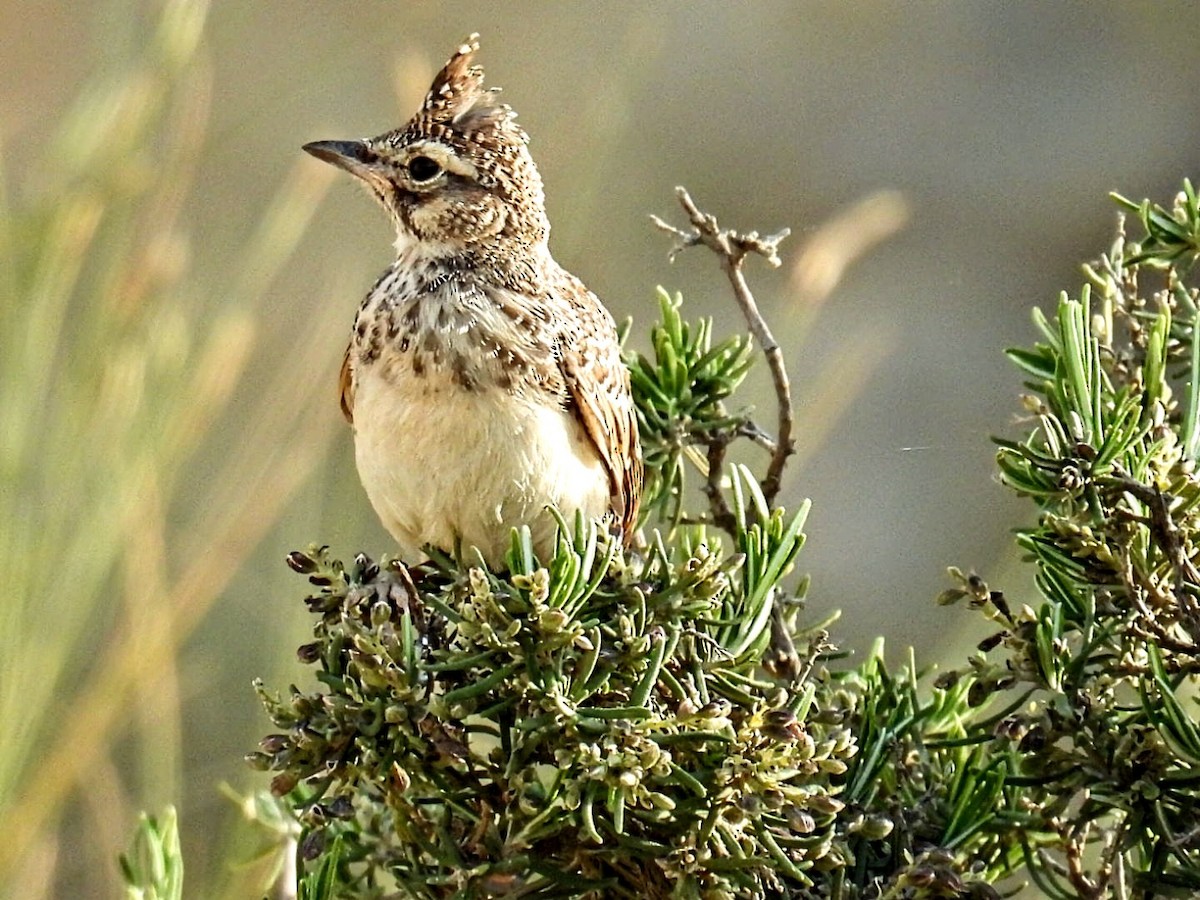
(177, 282)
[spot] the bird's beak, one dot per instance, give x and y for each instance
(353, 156)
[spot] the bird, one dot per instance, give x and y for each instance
(483, 381)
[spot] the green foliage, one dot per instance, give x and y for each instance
(656, 724)
(595, 724)
(1171, 235)
(1100, 679)
(322, 881)
(606, 723)
(681, 395)
(153, 868)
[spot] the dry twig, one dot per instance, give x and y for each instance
(733, 247)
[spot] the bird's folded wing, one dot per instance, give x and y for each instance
(346, 388)
(598, 383)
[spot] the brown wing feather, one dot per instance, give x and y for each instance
(346, 388)
(599, 386)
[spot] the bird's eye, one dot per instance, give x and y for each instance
(422, 168)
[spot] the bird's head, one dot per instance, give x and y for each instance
(458, 173)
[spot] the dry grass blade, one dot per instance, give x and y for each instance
(842, 240)
(125, 367)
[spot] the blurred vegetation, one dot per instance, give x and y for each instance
(153, 870)
(120, 363)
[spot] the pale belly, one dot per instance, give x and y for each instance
(457, 468)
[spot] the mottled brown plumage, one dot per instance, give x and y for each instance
(483, 380)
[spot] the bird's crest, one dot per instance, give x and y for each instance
(457, 98)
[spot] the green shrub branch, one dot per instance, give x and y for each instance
(662, 722)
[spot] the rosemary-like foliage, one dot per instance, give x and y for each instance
(1098, 680)
(657, 724)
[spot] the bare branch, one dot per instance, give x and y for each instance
(1162, 526)
(733, 247)
(722, 515)
(752, 432)
(684, 239)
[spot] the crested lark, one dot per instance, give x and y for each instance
(484, 381)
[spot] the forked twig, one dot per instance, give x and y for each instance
(732, 248)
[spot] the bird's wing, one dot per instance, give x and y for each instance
(598, 383)
(346, 388)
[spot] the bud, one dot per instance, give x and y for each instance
(259, 761)
(308, 653)
(312, 845)
(273, 743)
(301, 562)
(283, 783)
(992, 642)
